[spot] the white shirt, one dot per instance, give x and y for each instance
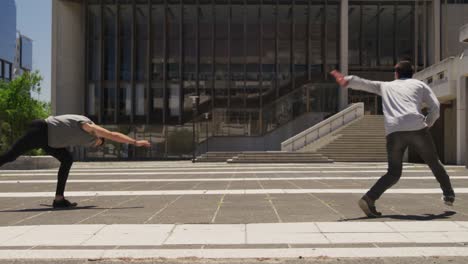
(402, 101)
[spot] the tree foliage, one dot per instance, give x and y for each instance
(18, 107)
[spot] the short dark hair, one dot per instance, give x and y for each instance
(404, 69)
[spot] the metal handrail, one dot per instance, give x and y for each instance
(323, 128)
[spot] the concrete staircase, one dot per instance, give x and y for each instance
(216, 156)
(361, 141)
(279, 157)
(263, 157)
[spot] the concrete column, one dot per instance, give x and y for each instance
(343, 96)
(466, 122)
(68, 58)
(436, 9)
(462, 105)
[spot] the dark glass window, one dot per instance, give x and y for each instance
(94, 90)
(316, 36)
(369, 35)
(109, 41)
(403, 25)
(125, 25)
(238, 55)
(252, 59)
(141, 42)
(7, 71)
(386, 38)
(269, 15)
(125, 53)
(355, 34)
(284, 47)
(94, 35)
(333, 32)
(142, 56)
(222, 19)
(190, 56)
(206, 55)
(157, 60)
(173, 62)
(300, 49)
(94, 60)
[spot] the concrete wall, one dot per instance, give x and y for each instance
(450, 134)
(68, 57)
(268, 142)
(454, 16)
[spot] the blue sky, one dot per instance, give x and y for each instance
(34, 19)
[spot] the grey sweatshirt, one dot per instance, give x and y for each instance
(402, 101)
(66, 131)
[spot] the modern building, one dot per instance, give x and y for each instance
(15, 48)
(23, 55)
(136, 65)
(7, 38)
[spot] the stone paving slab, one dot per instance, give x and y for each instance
(234, 234)
(323, 260)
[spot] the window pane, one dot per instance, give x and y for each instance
(173, 67)
(369, 34)
(125, 104)
(355, 20)
(300, 43)
(7, 71)
(238, 51)
(125, 23)
(332, 35)
(316, 36)
(94, 48)
(109, 41)
(387, 27)
(404, 32)
(142, 42)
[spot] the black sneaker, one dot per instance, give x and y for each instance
(63, 204)
(448, 200)
(367, 205)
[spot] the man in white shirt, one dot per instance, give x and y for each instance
(405, 125)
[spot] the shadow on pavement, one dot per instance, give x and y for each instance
(50, 208)
(424, 217)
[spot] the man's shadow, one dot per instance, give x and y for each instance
(424, 217)
(48, 208)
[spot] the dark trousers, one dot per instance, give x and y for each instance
(36, 137)
(421, 141)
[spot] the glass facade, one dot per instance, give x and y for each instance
(7, 30)
(7, 38)
(246, 60)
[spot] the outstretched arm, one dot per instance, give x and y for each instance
(357, 83)
(113, 136)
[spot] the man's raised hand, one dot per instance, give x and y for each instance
(340, 78)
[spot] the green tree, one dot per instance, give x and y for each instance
(18, 107)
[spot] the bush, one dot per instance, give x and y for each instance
(18, 107)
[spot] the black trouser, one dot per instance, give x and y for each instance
(36, 137)
(421, 141)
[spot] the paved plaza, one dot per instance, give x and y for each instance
(179, 212)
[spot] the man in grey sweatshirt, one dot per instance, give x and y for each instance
(405, 125)
(54, 135)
